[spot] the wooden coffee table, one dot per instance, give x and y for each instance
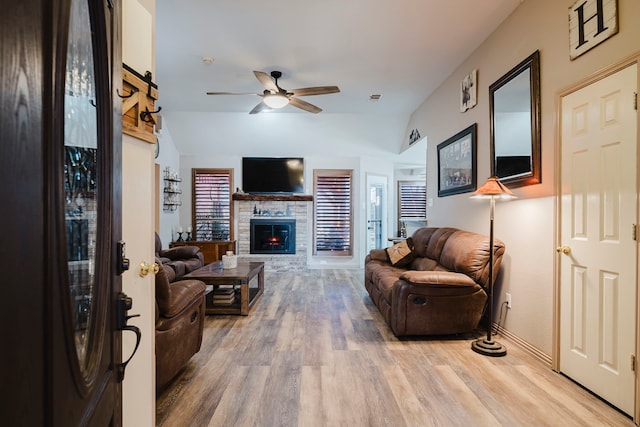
(241, 276)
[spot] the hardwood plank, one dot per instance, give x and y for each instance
(311, 413)
(239, 405)
(472, 407)
(338, 381)
(413, 413)
(279, 403)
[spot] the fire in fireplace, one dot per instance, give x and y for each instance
(273, 236)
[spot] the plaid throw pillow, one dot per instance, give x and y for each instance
(401, 253)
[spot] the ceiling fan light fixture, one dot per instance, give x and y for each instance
(276, 100)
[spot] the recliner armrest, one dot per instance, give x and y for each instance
(183, 293)
(437, 278)
(180, 252)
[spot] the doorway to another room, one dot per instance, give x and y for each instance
(376, 211)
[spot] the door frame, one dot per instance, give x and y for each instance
(373, 178)
(581, 84)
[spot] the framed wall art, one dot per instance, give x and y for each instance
(457, 163)
(469, 91)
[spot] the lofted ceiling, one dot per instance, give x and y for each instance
(400, 49)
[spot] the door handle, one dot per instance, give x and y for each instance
(124, 304)
(148, 268)
(563, 249)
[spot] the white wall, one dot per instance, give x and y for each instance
(526, 225)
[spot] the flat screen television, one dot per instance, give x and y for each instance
(272, 175)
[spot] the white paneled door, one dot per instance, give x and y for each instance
(597, 248)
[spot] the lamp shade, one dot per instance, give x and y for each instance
(276, 100)
(493, 188)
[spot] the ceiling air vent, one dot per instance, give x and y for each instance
(375, 97)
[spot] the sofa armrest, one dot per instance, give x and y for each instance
(437, 278)
(180, 252)
(379, 255)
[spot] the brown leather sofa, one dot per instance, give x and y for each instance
(441, 289)
(182, 259)
(180, 310)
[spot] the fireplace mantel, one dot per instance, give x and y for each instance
(298, 207)
(273, 197)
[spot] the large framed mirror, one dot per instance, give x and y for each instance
(514, 102)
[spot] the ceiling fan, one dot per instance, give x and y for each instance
(274, 96)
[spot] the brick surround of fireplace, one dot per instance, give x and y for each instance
(299, 208)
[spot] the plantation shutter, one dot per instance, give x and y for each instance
(211, 195)
(333, 213)
(412, 200)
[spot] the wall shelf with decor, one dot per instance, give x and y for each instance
(171, 191)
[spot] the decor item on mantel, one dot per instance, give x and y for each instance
(492, 189)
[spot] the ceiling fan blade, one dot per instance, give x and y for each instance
(318, 90)
(232, 93)
(259, 108)
(266, 81)
(304, 105)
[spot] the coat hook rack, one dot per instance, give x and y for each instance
(148, 78)
(146, 117)
(133, 92)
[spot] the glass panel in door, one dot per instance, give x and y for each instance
(80, 176)
(376, 202)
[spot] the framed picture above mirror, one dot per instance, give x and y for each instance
(514, 102)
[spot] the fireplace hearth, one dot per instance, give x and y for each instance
(273, 236)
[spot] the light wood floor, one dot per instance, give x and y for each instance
(315, 352)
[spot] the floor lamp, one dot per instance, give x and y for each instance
(492, 189)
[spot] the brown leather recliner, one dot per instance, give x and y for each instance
(182, 259)
(441, 290)
(180, 311)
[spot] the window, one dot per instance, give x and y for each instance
(333, 212)
(412, 200)
(212, 216)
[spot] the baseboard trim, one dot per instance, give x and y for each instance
(534, 351)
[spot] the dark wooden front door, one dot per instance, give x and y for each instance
(60, 171)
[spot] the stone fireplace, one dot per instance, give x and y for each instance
(295, 210)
